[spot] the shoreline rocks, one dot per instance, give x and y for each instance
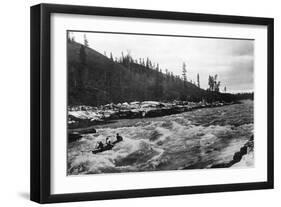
(85, 116)
(237, 157)
(72, 137)
(76, 135)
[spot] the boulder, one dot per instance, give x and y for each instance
(237, 157)
(88, 131)
(73, 136)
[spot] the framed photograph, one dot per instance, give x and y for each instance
(133, 103)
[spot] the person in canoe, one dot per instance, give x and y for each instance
(108, 144)
(118, 137)
(100, 145)
(107, 141)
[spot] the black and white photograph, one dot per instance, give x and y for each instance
(158, 102)
(133, 103)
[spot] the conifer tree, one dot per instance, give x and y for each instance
(86, 43)
(184, 72)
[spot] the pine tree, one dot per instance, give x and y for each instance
(211, 83)
(68, 37)
(184, 72)
(217, 88)
(157, 67)
(214, 85)
(86, 43)
(198, 80)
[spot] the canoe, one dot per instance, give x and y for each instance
(106, 147)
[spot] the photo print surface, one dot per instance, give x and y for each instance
(148, 102)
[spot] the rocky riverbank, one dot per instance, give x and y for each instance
(85, 116)
(246, 150)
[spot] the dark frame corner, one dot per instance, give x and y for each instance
(40, 102)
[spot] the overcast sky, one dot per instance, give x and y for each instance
(232, 60)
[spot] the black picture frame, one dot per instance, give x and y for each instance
(41, 98)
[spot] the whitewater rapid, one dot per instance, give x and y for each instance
(193, 140)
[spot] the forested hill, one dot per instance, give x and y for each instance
(95, 79)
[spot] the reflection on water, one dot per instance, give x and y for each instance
(198, 138)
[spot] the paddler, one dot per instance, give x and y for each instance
(107, 141)
(118, 137)
(100, 145)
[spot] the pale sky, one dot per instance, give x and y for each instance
(232, 60)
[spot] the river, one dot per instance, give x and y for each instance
(196, 140)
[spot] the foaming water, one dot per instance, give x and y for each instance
(196, 139)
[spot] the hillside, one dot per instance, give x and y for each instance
(94, 79)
